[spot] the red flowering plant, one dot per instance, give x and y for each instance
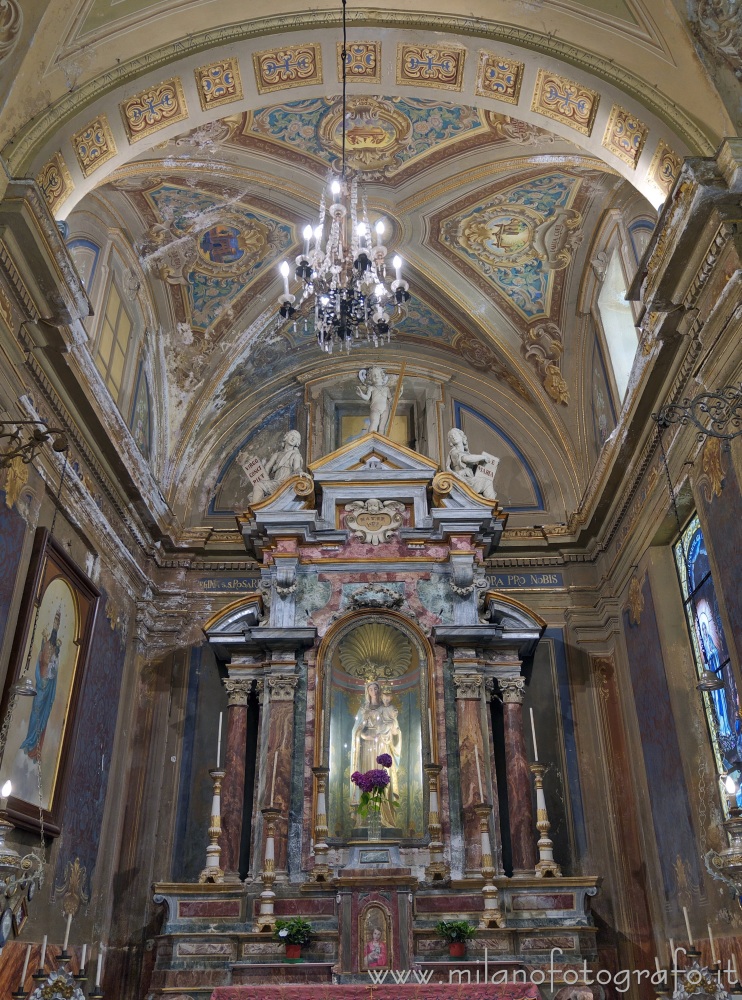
(373, 785)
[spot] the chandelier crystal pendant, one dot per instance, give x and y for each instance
(343, 265)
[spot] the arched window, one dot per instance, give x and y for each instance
(113, 342)
(709, 644)
(618, 323)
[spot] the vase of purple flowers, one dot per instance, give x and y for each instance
(373, 785)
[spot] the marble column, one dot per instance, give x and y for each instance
(233, 787)
(279, 756)
(472, 762)
(520, 805)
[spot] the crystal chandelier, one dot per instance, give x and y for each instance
(343, 265)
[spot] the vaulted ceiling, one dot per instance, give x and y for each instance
(507, 151)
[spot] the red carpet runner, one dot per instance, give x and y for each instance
(388, 991)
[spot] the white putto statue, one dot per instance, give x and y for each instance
(282, 465)
(477, 471)
(378, 390)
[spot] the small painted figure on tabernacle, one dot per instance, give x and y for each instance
(477, 471)
(282, 465)
(375, 955)
(378, 392)
(47, 667)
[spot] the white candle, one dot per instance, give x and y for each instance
(25, 968)
(273, 781)
(479, 772)
(714, 958)
(672, 951)
(67, 932)
(533, 733)
(99, 970)
(430, 731)
(84, 956)
(687, 926)
(219, 743)
(657, 964)
(42, 959)
(734, 966)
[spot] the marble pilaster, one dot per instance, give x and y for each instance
(469, 686)
(520, 805)
(277, 762)
(233, 788)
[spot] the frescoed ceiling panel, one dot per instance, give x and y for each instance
(215, 248)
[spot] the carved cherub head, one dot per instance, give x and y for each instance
(374, 506)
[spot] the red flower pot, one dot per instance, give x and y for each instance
(293, 951)
(457, 949)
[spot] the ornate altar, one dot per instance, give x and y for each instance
(374, 636)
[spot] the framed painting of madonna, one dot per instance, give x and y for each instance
(49, 655)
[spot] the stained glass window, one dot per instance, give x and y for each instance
(710, 649)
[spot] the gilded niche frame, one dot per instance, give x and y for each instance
(51, 648)
(324, 700)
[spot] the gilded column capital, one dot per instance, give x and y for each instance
(281, 687)
(468, 686)
(238, 690)
(512, 689)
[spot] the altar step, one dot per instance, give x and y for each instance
(254, 973)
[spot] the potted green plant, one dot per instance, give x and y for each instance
(457, 933)
(294, 932)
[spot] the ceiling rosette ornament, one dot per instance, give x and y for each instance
(375, 132)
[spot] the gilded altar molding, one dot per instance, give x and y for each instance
(635, 602)
(282, 687)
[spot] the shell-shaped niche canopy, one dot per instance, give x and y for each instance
(374, 651)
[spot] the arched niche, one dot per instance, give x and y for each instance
(376, 696)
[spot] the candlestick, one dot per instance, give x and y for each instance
(714, 958)
(219, 744)
(273, 780)
(67, 933)
(687, 926)
(99, 970)
(479, 772)
(25, 967)
(533, 732)
(430, 731)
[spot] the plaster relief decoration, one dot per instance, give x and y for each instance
(565, 101)
(213, 246)
(377, 389)
(477, 471)
(430, 66)
(542, 347)
(517, 238)
(290, 66)
(219, 83)
(376, 595)
(717, 23)
(664, 168)
(499, 77)
(382, 133)
(210, 136)
(11, 21)
(94, 144)
(636, 599)
(55, 182)
(374, 521)
(153, 109)
(480, 356)
(376, 651)
(282, 465)
(362, 61)
(625, 135)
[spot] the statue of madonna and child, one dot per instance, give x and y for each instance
(376, 731)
